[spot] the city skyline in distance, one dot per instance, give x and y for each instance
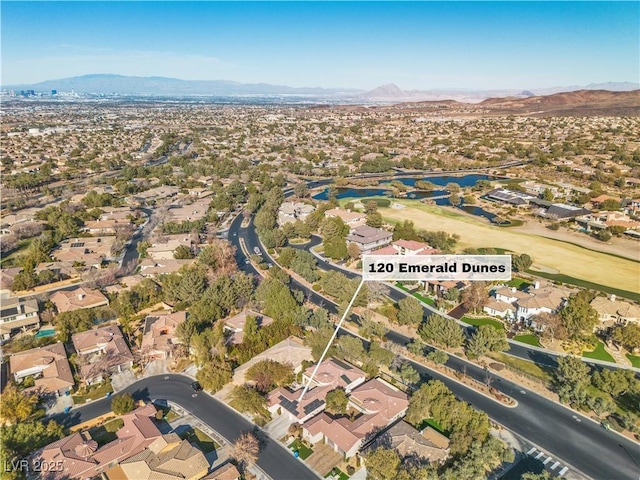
(418, 46)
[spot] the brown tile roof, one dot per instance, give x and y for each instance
(408, 441)
(335, 373)
(380, 398)
(106, 339)
(499, 305)
(78, 451)
(411, 245)
(159, 330)
(380, 404)
(228, 471)
(52, 363)
(179, 460)
(66, 301)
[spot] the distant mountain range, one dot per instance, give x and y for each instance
(125, 85)
(392, 93)
(110, 84)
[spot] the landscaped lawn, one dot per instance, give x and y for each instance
(635, 361)
(339, 474)
(95, 392)
(483, 321)
(303, 450)
(426, 300)
(204, 442)
(422, 298)
(529, 339)
(599, 353)
(519, 283)
(435, 425)
(107, 432)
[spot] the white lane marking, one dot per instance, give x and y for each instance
(547, 460)
(554, 466)
(531, 451)
(538, 455)
(563, 471)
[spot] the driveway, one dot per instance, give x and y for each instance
(121, 380)
(278, 427)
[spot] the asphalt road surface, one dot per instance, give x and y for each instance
(274, 459)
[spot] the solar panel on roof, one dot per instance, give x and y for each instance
(289, 405)
(346, 379)
(77, 244)
(313, 405)
(341, 364)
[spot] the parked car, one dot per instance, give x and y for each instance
(196, 386)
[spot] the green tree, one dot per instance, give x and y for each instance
(410, 311)
(371, 329)
(23, 438)
(441, 331)
(521, 262)
(610, 204)
(486, 339)
(616, 382)
(628, 335)
(383, 464)
(124, 403)
(16, 405)
(350, 348)
(277, 299)
(419, 406)
(571, 377)
(214, 375)
(249, 400)
(301, 190)
(438, 356)
(375, 220)
(405, 231)
(182, 252)
(336, 401)
(269, 374)
(335, 248)
(318, 341)
(579, 318)
(408, 374)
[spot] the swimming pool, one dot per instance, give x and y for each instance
(45, 333)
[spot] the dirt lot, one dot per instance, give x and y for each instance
(548, 254)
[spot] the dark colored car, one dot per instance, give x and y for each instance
(196, 386)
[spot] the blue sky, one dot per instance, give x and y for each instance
(417, 45)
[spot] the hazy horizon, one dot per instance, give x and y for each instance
(362, 45)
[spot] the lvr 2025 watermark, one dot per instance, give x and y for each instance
(33, 466)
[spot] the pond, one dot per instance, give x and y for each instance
(441, 180)
(463, 181)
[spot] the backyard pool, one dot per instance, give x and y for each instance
(45, 333)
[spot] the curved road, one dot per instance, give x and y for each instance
(274, 459)
(584, 444)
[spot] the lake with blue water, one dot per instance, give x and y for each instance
(462, 181)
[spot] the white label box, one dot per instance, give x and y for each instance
(436, 267)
